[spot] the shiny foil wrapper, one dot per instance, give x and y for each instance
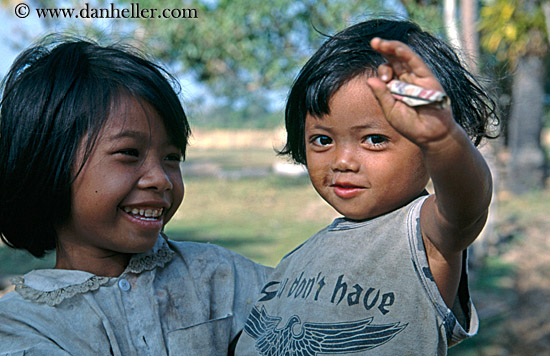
(413, 95)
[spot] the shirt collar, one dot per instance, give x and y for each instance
(52, 286)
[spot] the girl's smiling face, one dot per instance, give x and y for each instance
(356, 161)
(128, 189)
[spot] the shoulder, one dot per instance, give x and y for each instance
(209, 258)
(342, 231)
(20, 321)
(14, 309)
(8, 301)
(204, 252)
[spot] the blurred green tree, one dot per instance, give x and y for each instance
(515, 31)
(243, 51)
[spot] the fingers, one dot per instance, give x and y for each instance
(385, 72)
(387, 102)
(406, 64)
(380, 90)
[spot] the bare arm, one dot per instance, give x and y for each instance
(452, 218)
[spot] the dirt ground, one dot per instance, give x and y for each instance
(527, 326)
(512, 291)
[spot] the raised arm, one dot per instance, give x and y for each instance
(452, 218)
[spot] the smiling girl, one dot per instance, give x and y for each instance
(91, 143)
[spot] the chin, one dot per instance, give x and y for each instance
(355, 215)
(142, 245)
(362, 215)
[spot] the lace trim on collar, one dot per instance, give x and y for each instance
(54, 297)
(138, 263)
(152, 260)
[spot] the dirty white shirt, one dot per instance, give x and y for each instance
(180, 298)
(359, 288)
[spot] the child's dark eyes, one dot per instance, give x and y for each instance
(375, 140)
(134, 153)
(371, 141)
(129, 152)
(175, 157)
(321, 140)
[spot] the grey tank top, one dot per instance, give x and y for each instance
(358, 288)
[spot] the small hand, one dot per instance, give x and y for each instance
(423, 124)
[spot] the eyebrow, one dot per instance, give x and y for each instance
(128, 134)
(354, 128)
(136, 135)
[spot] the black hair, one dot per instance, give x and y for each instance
(349, 53)
(56, 94)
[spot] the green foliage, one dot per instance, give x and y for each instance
(240, 49)
(427, 14)
(241, 46)
(513, 28)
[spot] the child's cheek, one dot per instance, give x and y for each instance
(178, 193)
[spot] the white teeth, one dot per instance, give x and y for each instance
(148, 213)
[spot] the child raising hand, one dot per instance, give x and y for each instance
(390, 276)
(452, 218)
(92, 139)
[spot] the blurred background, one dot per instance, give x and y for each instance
(236, 60)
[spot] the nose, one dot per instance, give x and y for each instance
(345, 160)
(155, 177)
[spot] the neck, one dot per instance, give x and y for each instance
(107, 265)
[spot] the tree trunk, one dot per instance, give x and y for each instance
(449, 15)
(470, 40)
(484, 245)
(526, 167)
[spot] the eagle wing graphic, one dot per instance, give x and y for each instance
(316, 338)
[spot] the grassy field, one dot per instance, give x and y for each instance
(265, 218)
(511, 289)
(259, 218)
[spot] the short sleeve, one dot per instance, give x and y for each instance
(249, 280)
(461, 321)
(463, 310)
(17, 336)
